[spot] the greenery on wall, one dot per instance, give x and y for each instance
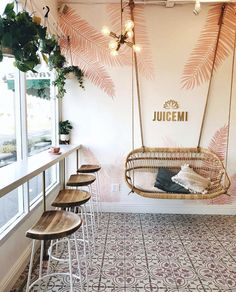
(61, 78)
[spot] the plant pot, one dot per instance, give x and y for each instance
(7, 52)
(64, 137)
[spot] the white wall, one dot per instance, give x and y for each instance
(103, 125)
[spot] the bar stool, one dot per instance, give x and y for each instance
(93, 169)
(85, 180)
(74, 200)
(53, 225)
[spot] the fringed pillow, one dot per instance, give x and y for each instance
(191, 180)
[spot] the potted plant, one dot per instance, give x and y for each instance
(65, 128)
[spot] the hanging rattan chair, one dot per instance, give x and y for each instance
(203, 161)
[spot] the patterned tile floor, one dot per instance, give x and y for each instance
(164, 253)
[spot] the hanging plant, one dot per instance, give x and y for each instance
(20, 35)
(26, 40)
(62, 74)
(48, 44)
(56, 60)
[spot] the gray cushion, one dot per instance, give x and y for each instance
(164, 182)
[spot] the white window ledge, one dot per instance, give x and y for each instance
(16, 174)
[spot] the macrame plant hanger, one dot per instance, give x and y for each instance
(202, 160)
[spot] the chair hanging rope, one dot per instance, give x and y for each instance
(230, 100)
(131, 5)
(220, 22)
(203, 162)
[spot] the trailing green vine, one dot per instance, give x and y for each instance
(60, 80)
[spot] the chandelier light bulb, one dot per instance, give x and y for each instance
(130, 34)
(113, 45)
(197, 7)
(129, 25)
(105, 31)
(114, 53)
(136, 48)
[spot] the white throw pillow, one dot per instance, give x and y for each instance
(144, 180)
(191, 180)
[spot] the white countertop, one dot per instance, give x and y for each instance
(17, 173)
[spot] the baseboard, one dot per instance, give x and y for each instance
(170, 207)
(12, 276)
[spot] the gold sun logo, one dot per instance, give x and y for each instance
(171, 104)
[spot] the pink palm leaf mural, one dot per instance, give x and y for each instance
(93, 70)
(89, 49)
(87, 39)
(225, 199)
(218, 142)
(145, 63)
(218, 145)
(232, 189)
(107, 174)
(197, 70)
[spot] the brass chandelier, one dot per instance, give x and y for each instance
(126, 35)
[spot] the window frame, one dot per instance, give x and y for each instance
(24, 205)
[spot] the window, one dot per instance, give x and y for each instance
(35, 184)
(27, 126)
(39, 112)
(7, 113)
(11, 207)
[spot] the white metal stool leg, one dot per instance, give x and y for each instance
(78, 263)
(99, 194)
(85, 255)
(94, 194)
(85, 225)
(41, 259)
(92, 223)
(49, 258)
(30, 266)
(91, 211)
(91, 242)
(70, 266)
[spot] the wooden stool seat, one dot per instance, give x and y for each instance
(54, 225)
(80, 180)
(88, 168)
(71, 198)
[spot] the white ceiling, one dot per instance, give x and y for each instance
(166, 3)
(145, 1)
